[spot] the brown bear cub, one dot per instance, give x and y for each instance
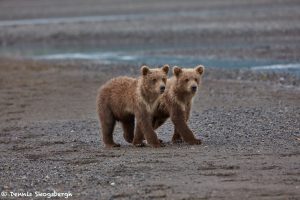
(130, 101)
(176, 103)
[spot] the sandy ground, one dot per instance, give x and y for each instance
(249, 121)
(50, 139)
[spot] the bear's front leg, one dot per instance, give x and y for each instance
(181, 127)
(145, 130)
(156, 123)
(138, 137)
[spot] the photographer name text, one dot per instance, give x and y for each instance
(37, 194)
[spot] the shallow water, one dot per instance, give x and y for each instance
(123, 57)
(151, 55)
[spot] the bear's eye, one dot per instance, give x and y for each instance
(154, 80)
(187, 80)
(164, 79)
(196, 79)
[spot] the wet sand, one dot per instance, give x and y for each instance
(219, 29)
(249, 121)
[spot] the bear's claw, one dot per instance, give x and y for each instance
(112, 145)
(196, 142)
(177, 141)
(140, 145)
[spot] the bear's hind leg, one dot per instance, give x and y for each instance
(176, 137)
(157, 122)
(128, 130)
(108, 124)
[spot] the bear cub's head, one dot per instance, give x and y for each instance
(154, 80)
(188, 80)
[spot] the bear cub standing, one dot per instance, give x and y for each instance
(176, 103)
(130, 101)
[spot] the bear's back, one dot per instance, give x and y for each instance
(119, 92)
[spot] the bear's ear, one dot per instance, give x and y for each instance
(145, 70)
(165, 68)
(200, 69)
(177, 70)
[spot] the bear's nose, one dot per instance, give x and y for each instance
(194, 88)
(162, 88)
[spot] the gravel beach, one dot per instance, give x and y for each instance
(249, 120)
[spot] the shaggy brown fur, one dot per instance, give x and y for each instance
(176, 103)
(131, 100)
